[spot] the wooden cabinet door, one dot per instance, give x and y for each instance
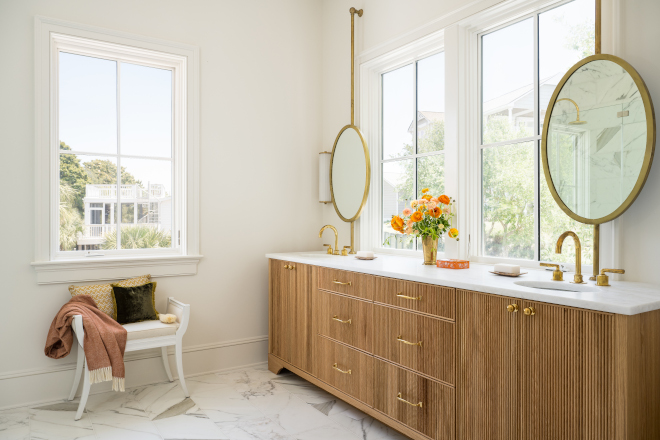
(567, 383)
(298, 323)
(488, 379)
(278, 288)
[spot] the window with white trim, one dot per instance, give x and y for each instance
(116, 124)
(412, 141)
(520, 65)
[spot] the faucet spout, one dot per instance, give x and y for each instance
(336, 252)
(577, 278)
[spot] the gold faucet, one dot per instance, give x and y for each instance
(577, 278)
(603, 280)
(336, 252)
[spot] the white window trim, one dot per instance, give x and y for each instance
(369, 111)
(469, 180)
(51, 266)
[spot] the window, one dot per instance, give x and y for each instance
(413, 140)
(521, 64)
(116, 151)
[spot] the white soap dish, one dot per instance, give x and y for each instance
(365, 258)
(506, 274)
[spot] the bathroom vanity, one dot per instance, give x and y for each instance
(465, 354)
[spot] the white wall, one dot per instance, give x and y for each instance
(384, 21)
(260, 135)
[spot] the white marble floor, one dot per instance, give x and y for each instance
(241, 405)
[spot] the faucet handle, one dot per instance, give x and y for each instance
(344, 252)
(557, 275)
(329, 248)
(604, 280)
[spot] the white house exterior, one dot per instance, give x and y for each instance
(150, 206)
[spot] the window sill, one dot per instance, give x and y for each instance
(104, 269)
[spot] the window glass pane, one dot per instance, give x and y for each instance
(508, 201)
(431, 104)
(85, 181)
(508, 83)
(127, 212)
(431, 175)
(398, 111)
(398, 192)
(146, 111)
(87, 104)
(567, 34)
(151, 188)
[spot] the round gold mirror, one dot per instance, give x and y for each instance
(598, 139)
(350, 173)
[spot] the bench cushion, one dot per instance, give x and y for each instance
(150, 329)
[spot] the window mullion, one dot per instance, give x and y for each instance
(537, 198)
(415, 152)
(119, 210)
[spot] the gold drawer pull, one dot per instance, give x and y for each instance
(343, 284)
(340, 370)
(401, 399)
(414, 298)
(336, 318)
(408, 342)
(286, 266)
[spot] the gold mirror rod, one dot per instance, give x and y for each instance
(353, 11)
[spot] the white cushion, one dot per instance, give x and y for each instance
(150, 329)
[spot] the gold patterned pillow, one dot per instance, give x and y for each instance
(102, 293)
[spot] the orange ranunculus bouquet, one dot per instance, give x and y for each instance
(428, 217)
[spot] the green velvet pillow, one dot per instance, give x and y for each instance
(134, 304)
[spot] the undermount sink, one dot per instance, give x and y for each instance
(557, 285)
(324, 255)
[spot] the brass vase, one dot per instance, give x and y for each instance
(430, 249)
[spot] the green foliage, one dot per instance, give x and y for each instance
(138, 237)
(73, 175)
(432, 227)
(104, 172)
(71, 222)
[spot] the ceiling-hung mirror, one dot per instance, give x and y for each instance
(350, 169)
(598, 141)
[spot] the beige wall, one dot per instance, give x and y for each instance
(260, 134)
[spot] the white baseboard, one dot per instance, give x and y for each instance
(47, 385)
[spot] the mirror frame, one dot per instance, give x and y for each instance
(368, 179)
(650, 139)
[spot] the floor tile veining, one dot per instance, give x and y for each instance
(252, 404)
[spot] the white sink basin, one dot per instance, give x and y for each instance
(317, 255)
(557, 285)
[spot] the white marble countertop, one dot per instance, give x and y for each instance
(623, 297)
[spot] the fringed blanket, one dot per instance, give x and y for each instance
(104, 342)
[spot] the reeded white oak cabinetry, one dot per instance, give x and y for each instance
(440, 363)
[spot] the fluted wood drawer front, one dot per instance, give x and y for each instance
(344, 319)
(424, 298)
(348, 283)
(424, 405)
(422, 343)
(346, 369)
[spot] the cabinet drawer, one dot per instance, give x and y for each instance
(425, 298)
(346, 369)
(344, 319)
(422, 404)
(422, 343)
(348, 283)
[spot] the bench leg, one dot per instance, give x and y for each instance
(85, 392)
(166, 363)
(179, 367)
(79, 369)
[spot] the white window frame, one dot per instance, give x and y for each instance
(469, 34)
(370, 115)
(52, 265)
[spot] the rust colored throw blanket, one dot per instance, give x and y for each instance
(104, 342)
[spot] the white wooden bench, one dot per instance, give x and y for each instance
(141, 336)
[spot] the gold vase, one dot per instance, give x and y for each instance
(430, 249)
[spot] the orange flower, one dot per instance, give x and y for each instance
(444, 199)
(425, 190)
(427, 197)
(453, 233)
(435, 212)
(416, 216)
(397, 223)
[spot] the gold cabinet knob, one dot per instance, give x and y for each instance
(512, 308)
(529, 311)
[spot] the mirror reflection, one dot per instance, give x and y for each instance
(349, 173)
(597, 139)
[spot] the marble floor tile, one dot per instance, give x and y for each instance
(330, 432)
(189, 426)
(111, 426)
(254, 428)
(226, 405)
(59, 425)
(15, 424)
(157, 399)
(297, 416)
